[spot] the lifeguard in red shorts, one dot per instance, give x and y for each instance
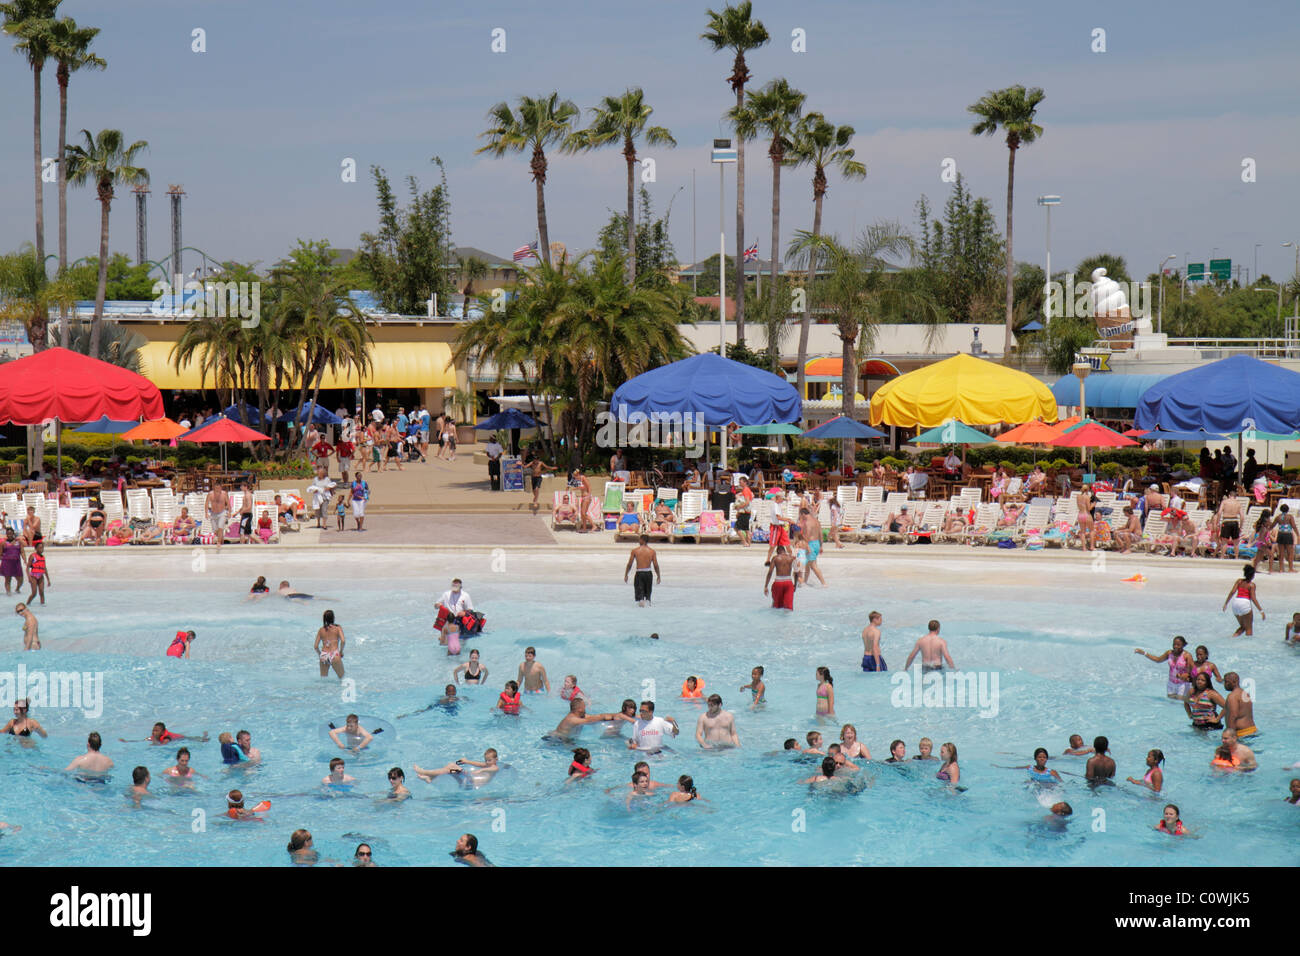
(783, 586)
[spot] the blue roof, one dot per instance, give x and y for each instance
(1108, 390)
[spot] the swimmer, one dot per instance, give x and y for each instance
(648, 730)
(926, 747)
(336, 774)
(933, 650)
(814, 740)
(285, 591)
(466, 852)
(1171, 823)
(1243, 758)
(1292, 633)
(22, 725)
(139, 784)
(1155, 777)
(397, 784)
(827, 772)
(230, 753)
(259, 588)
(1203, 704)
(1180, 667)
(1100, 767)
(449, 637)
(836, 753)
(692, 689)
(329, 646)
(1060, 809)
(756, 687)
(640, 788)
(571, 690)
(626, 715)
(1039, 772)
(577, 718)
(508, 702)
(852, 746)
(182, 770)
(475, 672)
(1076, 748)
(483, 771)
(685, 792)
(448, 701)
(236, 810)
(364, 856)
(897, 752)
(1241, 596)
(580, 767)
(1294, 799)
(532, 675)
(716, 727)
(949, 772)
(161, 735)
(1203, 665)
(31, 628)
(244, 741)
(358, 738)
(647, 571)
(180, 645)
(825, 693)
(1238, 708)
(300, 848)
(872, 660)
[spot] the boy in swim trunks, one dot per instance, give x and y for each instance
(871, 658)
(933, 650)
(357, 737)
(286, 591)
(532, 675)
(785, 583)
(812, 533)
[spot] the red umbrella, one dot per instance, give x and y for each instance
(1135, 433)
(1093, 435)
(223, 430)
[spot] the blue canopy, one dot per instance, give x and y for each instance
(716, 389)
(1110, 390)
(842, 427)
(510, 418)
(254, 416)
(106, 426)
(315, 413)
(1034, 326)
(1229, 395)
(1161, 434)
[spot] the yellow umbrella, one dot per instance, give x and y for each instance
(971, 390)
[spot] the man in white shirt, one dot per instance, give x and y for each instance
(456, 601)
(648, 731)
(494, 452)
(952, 464)
(321, 492)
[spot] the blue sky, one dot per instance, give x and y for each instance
(1144, 141)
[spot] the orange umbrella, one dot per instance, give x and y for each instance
(1065, 424)
(159, 429)
(1031, 433)
(1093, 435)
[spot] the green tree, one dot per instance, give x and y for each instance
(118, 344)
(823, 146)
(27, 293)
(69, 45)
(104, 160)
(734, 28)
(1012, 111)
(125, 281)
(654, 251)
(541, 122)
(706, 284)
(621, 119)
(472, 269)
(1115, 266)
(31, 22)
(772, 110)
(408, 260)
(961, 255)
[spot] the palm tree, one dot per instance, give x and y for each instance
(27, 294)
(31, 22)
(120, 345)
(735, 29)
(859, 295)
(104, 161)
(69, 46)
(1012, 111)
(539, 123)
(623, 119)
(471, 269)
(774, 110)
(821, 145)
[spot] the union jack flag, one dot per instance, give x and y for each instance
(751, 254)
(526, 252)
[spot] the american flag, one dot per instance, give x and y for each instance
(751, 254)
(526, 252)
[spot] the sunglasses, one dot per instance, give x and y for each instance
(363, 853)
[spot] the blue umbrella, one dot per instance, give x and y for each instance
(106, 426)
(1227, 396)
(1034, 326)
(308, 411)
(254, 416)
(842, 427)
(510, 418)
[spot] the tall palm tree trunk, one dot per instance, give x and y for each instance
(740, 227)
(36, 163)
(64, 331)
(1011, 183)
(848, 390)
(539, 177)
(629, 151)
(101, 286)
(806, 321)
(776, 221)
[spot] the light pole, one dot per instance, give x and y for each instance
(1256, 272)
(1182, 290)
(1082, 370)
(1048, 202)
(1160, 309)
(1279, 301)
(722, 154)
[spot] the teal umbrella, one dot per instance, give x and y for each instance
(775, 428)
(952, 433)
(1254, 434)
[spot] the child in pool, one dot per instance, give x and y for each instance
(756, 686)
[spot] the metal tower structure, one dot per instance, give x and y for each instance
(141, 224)
(176, 192)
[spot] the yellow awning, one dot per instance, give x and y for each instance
(970, 390)
(393, 365)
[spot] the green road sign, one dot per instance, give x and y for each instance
(1195, 271)
(1221, 269)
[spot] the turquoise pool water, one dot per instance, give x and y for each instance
(1059, 641)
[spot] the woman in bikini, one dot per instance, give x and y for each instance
(949, 773)
(1203, 704)
(1084, 500)
(329, 646)
(474, 672)
(1284, 529)
(685, 792)
(825, 693)
(1154, 779)
(852, 747)
(21, 725)
(1242, 598)
(1180, 667)
(1203, 665)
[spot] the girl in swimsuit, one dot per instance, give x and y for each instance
(1203, 665)
(849, 743)
(949, 772)
(1180, 668)
(1203, 704)
(1284, 527)
(1155, 777)
(825, 693)
(11, 560)
(756, 686)
(329, 645)
(1243, 600)
(685, 792)
(1039, 772)
(182, 769)
(1263, 540)
(21, 725)
(474, 672)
